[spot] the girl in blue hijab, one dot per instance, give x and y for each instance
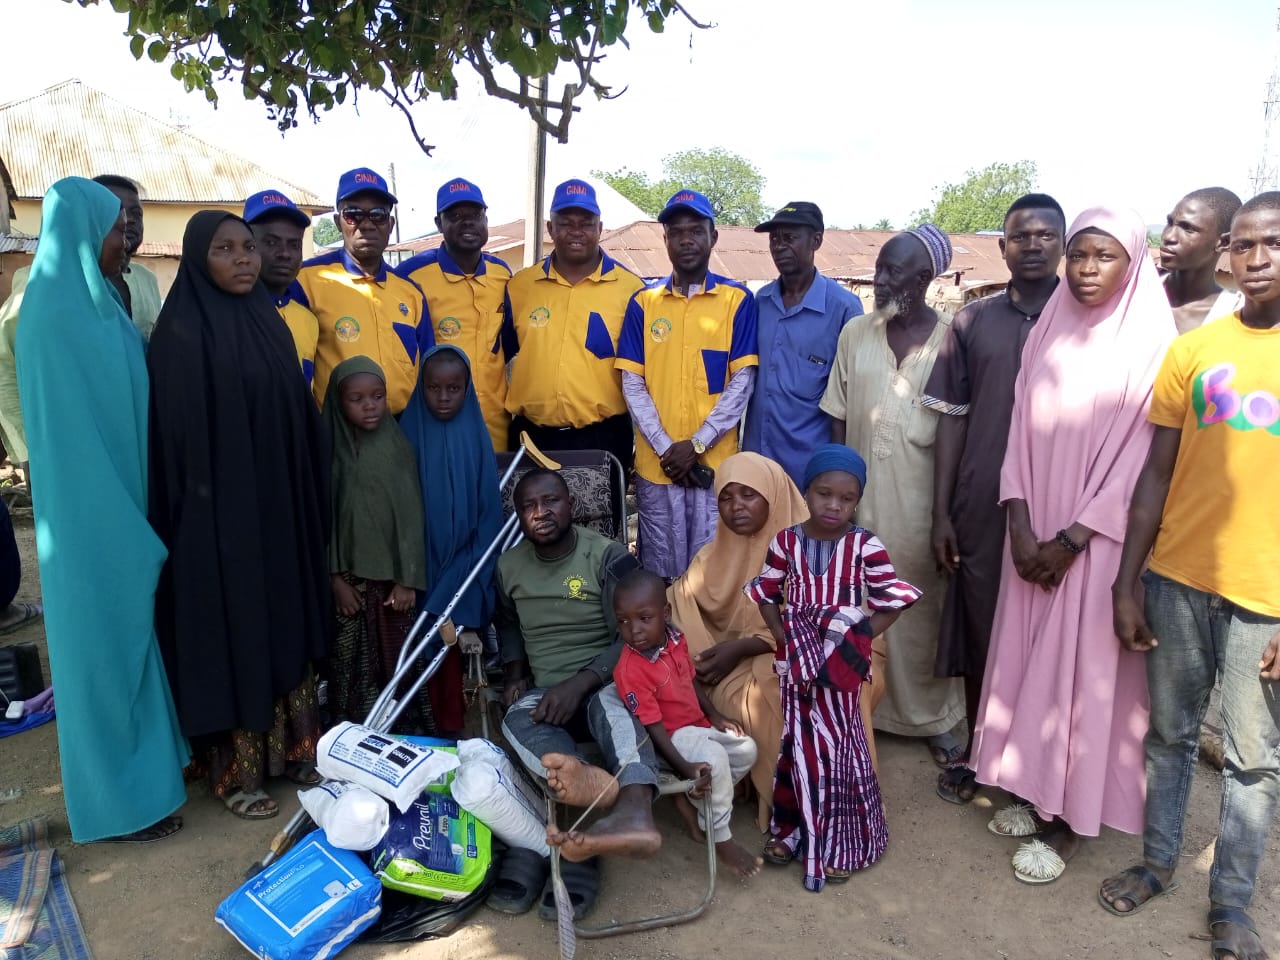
(82, 380)
(459, 477)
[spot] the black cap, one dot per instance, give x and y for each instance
(801, 213)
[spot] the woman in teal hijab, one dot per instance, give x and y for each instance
(82, 380)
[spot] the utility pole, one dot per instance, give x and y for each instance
(1266, 176)
(534, 211)
(391, 177)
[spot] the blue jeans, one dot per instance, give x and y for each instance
(1202, 636)
(603, 716)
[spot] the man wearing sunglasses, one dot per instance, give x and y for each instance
(363, 308)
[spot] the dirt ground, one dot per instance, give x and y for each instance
(944, 889)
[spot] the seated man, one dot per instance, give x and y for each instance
(556, 623)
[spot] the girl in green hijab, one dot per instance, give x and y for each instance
(377, 557)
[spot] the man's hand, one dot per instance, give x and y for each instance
(679, 460)
(561, 702)
(1269, 667)
(513, 689)
(946, 554)
(1130, 623)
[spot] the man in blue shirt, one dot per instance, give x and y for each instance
(801, 315)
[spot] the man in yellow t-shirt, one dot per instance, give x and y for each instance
(363, 309)
(278, 226)
(563, 317)
(688, 361)
(464, 287)
(1212, 593)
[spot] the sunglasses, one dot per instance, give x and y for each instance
(356, 216)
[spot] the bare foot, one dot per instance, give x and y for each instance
(690, 816)
(738, 859)
(577, 782)
(628, 831)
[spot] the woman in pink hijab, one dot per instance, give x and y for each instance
(1064, 706)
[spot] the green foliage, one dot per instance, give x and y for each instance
(980, 202)
(314, 54)
(884, 223)
(731, 182)
(324, 231)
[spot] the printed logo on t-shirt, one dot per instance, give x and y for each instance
(347, 329)
(404, 309)
(632, 703)
(539, 317)
(448, 328)
(575, 585)
(659, 330)
(1215, 400)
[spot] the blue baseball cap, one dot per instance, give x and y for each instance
(363, 180)
(575, 195)
(458, 191)
(273, 203)
(690, 200)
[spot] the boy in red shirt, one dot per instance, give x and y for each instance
(655, 679)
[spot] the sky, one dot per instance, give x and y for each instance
(865, 108)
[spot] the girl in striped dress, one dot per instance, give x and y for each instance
(826, 589)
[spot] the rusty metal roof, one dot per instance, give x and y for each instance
(73, 129)
(743, 254)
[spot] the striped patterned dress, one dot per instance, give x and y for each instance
(826, 799)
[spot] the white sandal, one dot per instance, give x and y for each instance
(1015, 820)
(1036, 862)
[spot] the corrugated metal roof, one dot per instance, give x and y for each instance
(21, 243)
(743, 254)
(75, 130)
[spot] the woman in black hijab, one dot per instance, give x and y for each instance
(239, 468)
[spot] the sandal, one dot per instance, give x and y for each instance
(1036, 862)
(957, 784)
(1144, 886)
(1015, 820)
(581, 880)
(303, 774)
(1238, 947)
(945, 749)
(837, 876)
(19, 615)
(162, 828)
(251, 806)
(522, 875)
(778, 853)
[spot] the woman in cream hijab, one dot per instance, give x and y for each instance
(732, 650)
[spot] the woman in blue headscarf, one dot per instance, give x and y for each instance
(459, 477)
(82, 380)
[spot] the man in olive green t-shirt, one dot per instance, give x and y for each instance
(556, 624)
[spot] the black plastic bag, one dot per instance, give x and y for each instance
(406, 917)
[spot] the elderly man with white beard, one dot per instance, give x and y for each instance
(873, 396)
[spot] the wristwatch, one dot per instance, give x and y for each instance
(698, 446)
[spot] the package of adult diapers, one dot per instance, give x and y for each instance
(351, 817)
(501, 798)
(307, 906)
(387, 765)
(434, 849)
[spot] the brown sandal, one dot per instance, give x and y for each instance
(251, 806)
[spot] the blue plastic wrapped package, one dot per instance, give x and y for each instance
(307, 906)
(435, 849)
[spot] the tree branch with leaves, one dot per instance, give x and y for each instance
(312, 55)
(731, 182)
(981, 200)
